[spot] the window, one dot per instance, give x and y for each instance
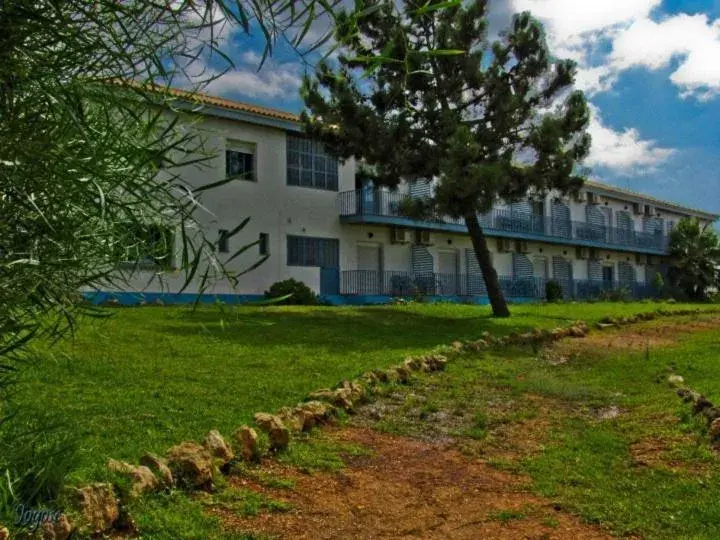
(308, 251)
(240, 164)
(223, 241)
(150, 246)
(263, 244)
(309, 166)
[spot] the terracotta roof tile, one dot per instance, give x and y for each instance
(206, 99)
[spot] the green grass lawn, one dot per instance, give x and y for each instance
(648, 472)
(148, 378)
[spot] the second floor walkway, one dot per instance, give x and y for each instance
(385, 207)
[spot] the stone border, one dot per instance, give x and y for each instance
(700, 406)
(100, 507)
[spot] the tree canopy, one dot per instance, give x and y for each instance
(421, 93)
(694, 258)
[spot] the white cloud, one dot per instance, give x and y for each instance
(624, 150)
(272, 81)
(569, 19)
(609, 37)
(694, 40)
(595, 79)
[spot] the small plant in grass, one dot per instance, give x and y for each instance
(505, 516)
(291, 292)
(621, 294)
(553, 291)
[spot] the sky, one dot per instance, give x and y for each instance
(649, 68)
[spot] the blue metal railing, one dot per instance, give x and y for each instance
(379, 203)
(405, 284)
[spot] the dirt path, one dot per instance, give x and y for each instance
(411, 489)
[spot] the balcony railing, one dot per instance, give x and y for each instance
(408, 284)
(388, 204)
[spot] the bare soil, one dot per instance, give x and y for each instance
(432, 487)
(654, 334)
(411, 489)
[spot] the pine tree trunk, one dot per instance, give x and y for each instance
(497, 300)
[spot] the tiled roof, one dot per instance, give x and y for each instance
(628, 192)
(267, 112)
(206, 99)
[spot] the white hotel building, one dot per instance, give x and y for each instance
(350, 244)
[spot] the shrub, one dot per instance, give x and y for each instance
(616, 295)
(553, 291)
(37, 456)
(292, 292)
(658, 282)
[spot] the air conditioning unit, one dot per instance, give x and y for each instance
(594, 255)
(505, 245)
(649, 210)
(640, 259)
(592, 198)
(422, 237)
(521, 246)
(582, 252)
(637, 208)
(652, 260)
(399, 235)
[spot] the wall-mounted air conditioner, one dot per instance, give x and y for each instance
(652, 260)
(592, 198)
(398, 235)
(422, 237)
(582, 252)
(594, 255)
(649, 210)
(640, 258)
(637, 208)
(506, 245)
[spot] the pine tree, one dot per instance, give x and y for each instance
(420, 93)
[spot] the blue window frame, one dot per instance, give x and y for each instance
(309, 166)
(311, 251)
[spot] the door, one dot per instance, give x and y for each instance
(447, 270)
(540, 272)
(368, 198)
(608, 277)
(369, 269)
(538, 216)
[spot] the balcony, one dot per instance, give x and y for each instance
(410, 284)
(384, 207)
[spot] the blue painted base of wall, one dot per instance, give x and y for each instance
(133, 299)
(366, 300)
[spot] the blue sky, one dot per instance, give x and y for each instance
(650, 69)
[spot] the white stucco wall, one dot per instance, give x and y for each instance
(279, 210)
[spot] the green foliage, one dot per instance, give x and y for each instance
(695, 257)
(621, 294)
(444, 103)
(553, 291)
(658, 283)
(292, 292)
(36, 458)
